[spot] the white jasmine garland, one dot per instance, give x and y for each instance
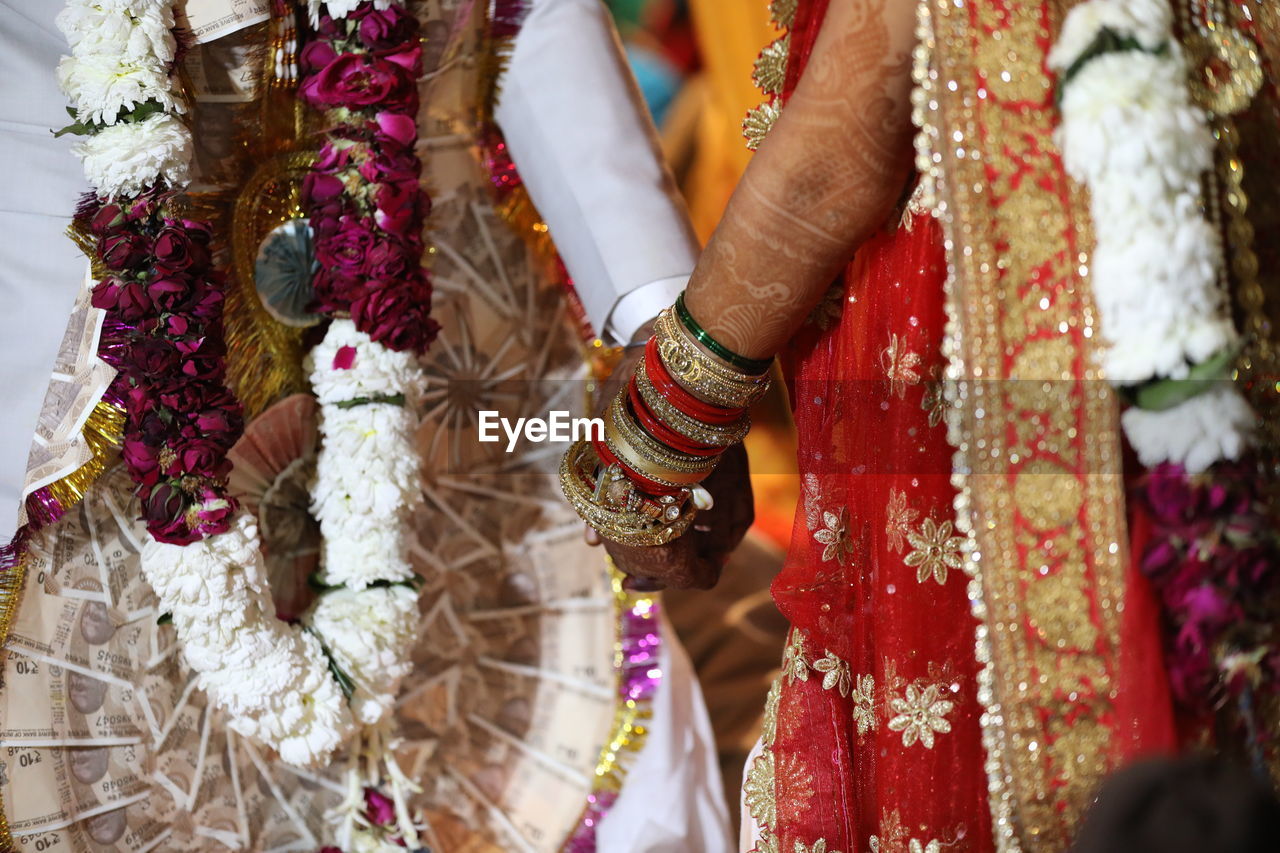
(365, 494)
(369, 632)
(1147, 21)
(127, 158)
(273, 679)
(1132, 135)
(1209, 427)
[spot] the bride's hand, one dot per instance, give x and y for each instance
(695, 560)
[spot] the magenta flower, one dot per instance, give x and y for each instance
(379, 808)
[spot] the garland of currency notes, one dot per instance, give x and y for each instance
(306, 689)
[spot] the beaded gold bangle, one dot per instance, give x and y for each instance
(647, 456)
(581, 479)
(690, 427)
(700, 373)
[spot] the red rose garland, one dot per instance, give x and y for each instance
(163, 299)
(363, 196)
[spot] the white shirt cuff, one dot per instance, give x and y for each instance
(641, 305)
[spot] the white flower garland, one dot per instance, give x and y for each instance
(1132, 135)
(272, 678)
(365, 495)
(121, 55)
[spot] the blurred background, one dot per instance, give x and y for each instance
(693, 60)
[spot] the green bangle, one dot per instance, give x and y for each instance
(752, 366)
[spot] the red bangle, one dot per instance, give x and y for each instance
(679, 397)
(659, 430)
(649, 486)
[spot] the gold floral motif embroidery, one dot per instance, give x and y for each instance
(795, 660)
(812, 493)
(835, 536)
(920, 713)
(898, 520)
(758, 123)
(783, 12)
(912, 846)
(758, 791)
(769, 728)
(864, 704)
(893, 837)
(899, 365)
(935, 551)
(771, 67)
(796, 785)
(819, 846)
(835, 673)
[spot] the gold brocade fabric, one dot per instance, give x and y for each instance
(1037, 457)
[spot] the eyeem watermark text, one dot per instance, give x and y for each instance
(558, 426)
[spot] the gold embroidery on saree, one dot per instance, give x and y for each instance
(920, 714)
(834, 535)
(899, 365)
(894, 837)
(864, 704)
(898, 520)
(819, 846)
(835, 673)
(1046, 552)
(934, 551)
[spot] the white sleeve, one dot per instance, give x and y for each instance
(587, 151)
(41, 270)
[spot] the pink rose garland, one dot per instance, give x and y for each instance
(163, 298)
(363, 196)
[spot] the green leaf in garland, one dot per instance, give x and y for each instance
(377, 399)
(1164, 394)
(137, 115)
(1106, 41)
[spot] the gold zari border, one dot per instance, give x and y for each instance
(1037, 462)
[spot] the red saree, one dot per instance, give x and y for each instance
(931, 700)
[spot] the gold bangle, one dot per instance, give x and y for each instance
(581, 481)
(668, 326)
(645, 455)
(688, 426)
(701, 373)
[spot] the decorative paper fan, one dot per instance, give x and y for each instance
(282, 273)
(274, 463)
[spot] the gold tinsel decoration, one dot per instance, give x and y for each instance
(630, 717)
(102, 433)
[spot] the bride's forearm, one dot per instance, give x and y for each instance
(827, 177)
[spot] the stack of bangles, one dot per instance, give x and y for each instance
(684, 405)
